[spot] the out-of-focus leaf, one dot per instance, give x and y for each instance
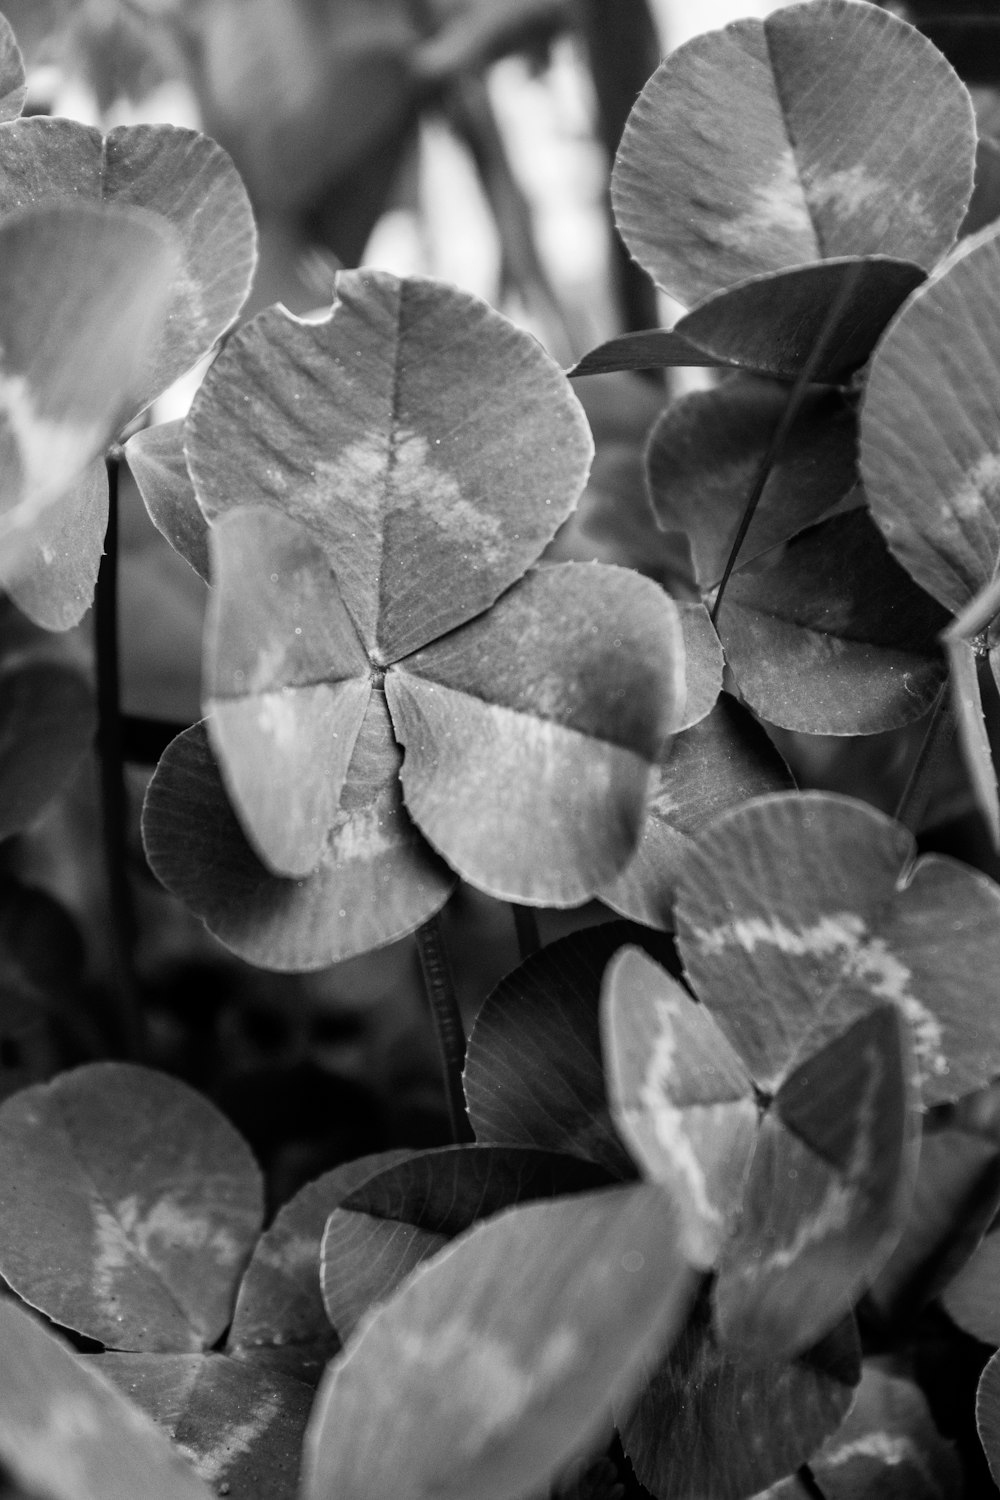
(128, 1207)
(472, 33)
(287, 685)
(530, 734)
(723, 761)
(432, 471)
(705, 453)
(827, 129)
(13, 85)
(68, 1434)
(42, 960)
(957, 1193)
(813, 905)
(929, 451)
(707, 1424)
(973, 1297)
(680, 1096)
(47, 722)
(55, 579)
(377, 881)
(984, 206)
(827, 1193)
(156, 458)
(280, 1318)
(832, 637)
(404, 1214)
(533, 1071)
(241, 1427)
(499, 1359)
(185, 181)
(83, 294)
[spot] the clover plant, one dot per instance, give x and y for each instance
(720, 1200)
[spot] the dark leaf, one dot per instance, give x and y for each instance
(825, 130)
(498, 1360)
(723, 761)
(42, 960)
(972, 1298)
(128, 1207)
(530, 734)
(156, 458)
(241, 1427)
(432, 469)
(67, 1434)
(652, 349)
(680, 1097)
(533, 1071)
(407, 1212)
(707, 1424)
(377, 881)
(928, 427)
(832, 637)
(984, 206)
(827, 1193)
(706, 450)
(812, 904)
(279, 1316)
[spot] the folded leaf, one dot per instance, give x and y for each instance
(156, 457)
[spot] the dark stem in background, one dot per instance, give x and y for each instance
(807, 1479)
(934, 748)
(443, 1000)
(114, 797)
(796, 396)
(529, 939)
(623, 49)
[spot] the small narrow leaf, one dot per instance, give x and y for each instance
(67, 1434)
(720, 763)
(827, 129)
(279, 1317)
(530, 734)
(827, 1194)
(498, 1360)
(832, 637)
(128, 1206)
(405, 1213)
(652, 349)
(680, 1096)
(377, 881)
(240, 1427)
(156, 457)
(799, 914)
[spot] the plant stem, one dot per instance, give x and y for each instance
(796, 396)
(934, 746)
(114, 796)
(443, 1000)
(529, 939)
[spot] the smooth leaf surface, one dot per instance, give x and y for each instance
(680, 1096)
(530, 734)
(827, 1193)
(405, 1213)
(56, 576)
(832, 637)
(533, 1069)
(181, 177)
(723, 761)
(83, 295)
(432, 448)
(930, 457)
(988, 1415)
(287, 685)
(707, 1424)
(972, 1298)
(279, 1316)
(47, 722)
(128, 1207)
(498, 1360)
(772, 324)
(240, 1427)
(703, 664)
(813, 905)
(156, 457)
(705, 453)
(377, 881)
(13, 85)
(827, 129)
(67, 1434)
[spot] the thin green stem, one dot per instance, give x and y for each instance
(114, 796)
(447, 1017)
(796, 396)
(934, 748)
